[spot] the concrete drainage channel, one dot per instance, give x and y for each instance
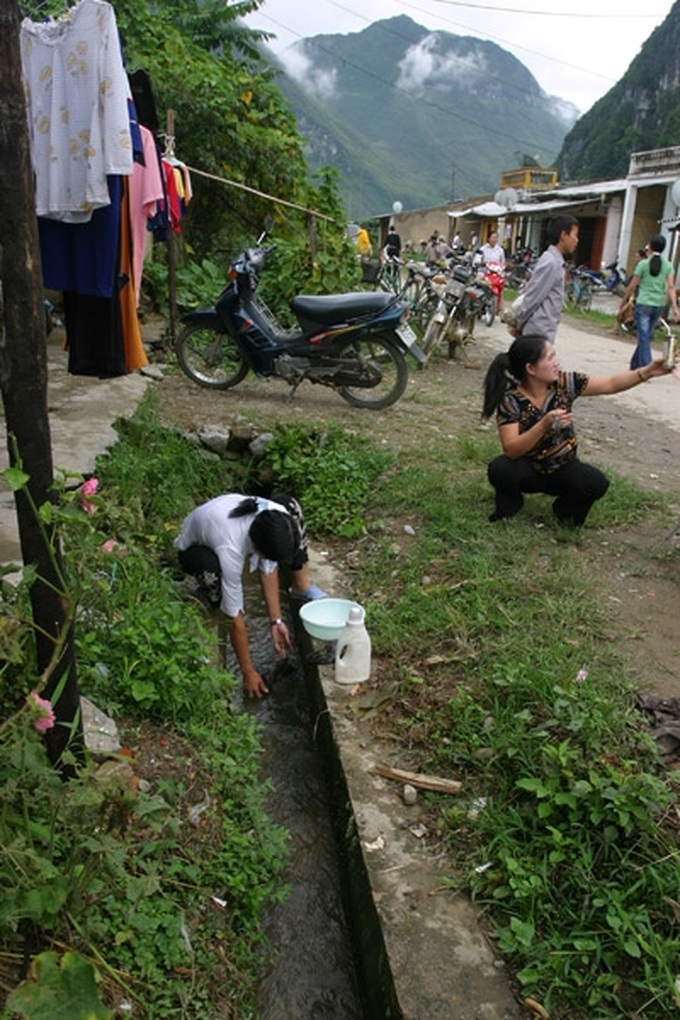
(422, 954)
(371, 960)
(315, 967)
(369, 931)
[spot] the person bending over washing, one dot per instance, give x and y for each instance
(214, 543)
(532, 400)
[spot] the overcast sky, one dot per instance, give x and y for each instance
(576, 49)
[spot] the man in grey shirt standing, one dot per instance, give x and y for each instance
(539, 312)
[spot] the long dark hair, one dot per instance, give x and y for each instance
(508, 369)
(657, 244)
(271, 532)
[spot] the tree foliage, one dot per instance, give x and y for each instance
(229, 118)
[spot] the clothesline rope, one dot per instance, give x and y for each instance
(260, 194)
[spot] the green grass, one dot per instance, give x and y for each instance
(527, 699)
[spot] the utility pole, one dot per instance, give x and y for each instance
(23, 384)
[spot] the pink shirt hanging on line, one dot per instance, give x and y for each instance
(145, 192)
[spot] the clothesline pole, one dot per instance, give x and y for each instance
(172, 249)
(312, 236)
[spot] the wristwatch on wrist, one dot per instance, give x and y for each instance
(276, 622)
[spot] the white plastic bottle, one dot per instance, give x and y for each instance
(353, 653)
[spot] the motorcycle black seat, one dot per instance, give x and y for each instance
(330, 309)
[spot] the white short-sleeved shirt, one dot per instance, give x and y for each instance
(77, 95)
(228, 537)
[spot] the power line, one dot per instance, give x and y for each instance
(398, 35)
(542, 13)
(423, 101)
(489, 35)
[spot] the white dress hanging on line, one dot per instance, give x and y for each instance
(77, 95)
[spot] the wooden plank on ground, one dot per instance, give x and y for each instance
(419, 779)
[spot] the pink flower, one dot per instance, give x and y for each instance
(581, 675)
(88, 488)
(109, 546)
(43, 716)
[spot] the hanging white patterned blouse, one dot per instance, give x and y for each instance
(77, 92)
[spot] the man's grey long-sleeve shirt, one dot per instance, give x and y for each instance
(539, 314)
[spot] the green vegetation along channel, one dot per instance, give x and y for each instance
(525, 698)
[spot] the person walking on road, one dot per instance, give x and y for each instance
(214, 544)
(653, 280)
(543, 295)
(493, 260)
(392, 247)
(492, 252)
(532, 399)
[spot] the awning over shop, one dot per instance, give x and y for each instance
(487, 210)
(563, 198)
(553, 206)
(491, 210)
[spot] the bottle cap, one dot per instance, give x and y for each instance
(355, 616)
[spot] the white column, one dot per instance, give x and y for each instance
(629, 204)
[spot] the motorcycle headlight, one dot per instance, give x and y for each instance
(256, 257)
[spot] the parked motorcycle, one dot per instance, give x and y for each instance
(518, 268)
(463, 299)
(595, 278)
(494, 276)
(614, 281)
(353, 343)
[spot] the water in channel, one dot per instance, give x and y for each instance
(310, 972)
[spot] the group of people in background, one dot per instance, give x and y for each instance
(435, 249)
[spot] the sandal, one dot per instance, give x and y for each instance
(309, 594)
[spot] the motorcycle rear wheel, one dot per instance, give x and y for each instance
(209, 358)
(381, 359)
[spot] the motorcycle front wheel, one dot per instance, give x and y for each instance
(383, 367)
(433, 335)
(210, 359)
(489, 313)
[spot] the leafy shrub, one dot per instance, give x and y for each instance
(329, 471)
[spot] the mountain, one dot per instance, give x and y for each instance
(641, 112)
(417, 116)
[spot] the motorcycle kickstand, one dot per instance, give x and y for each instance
(288, 399)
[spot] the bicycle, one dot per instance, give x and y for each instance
(579, 290)
(415, 288)
(419, 290)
